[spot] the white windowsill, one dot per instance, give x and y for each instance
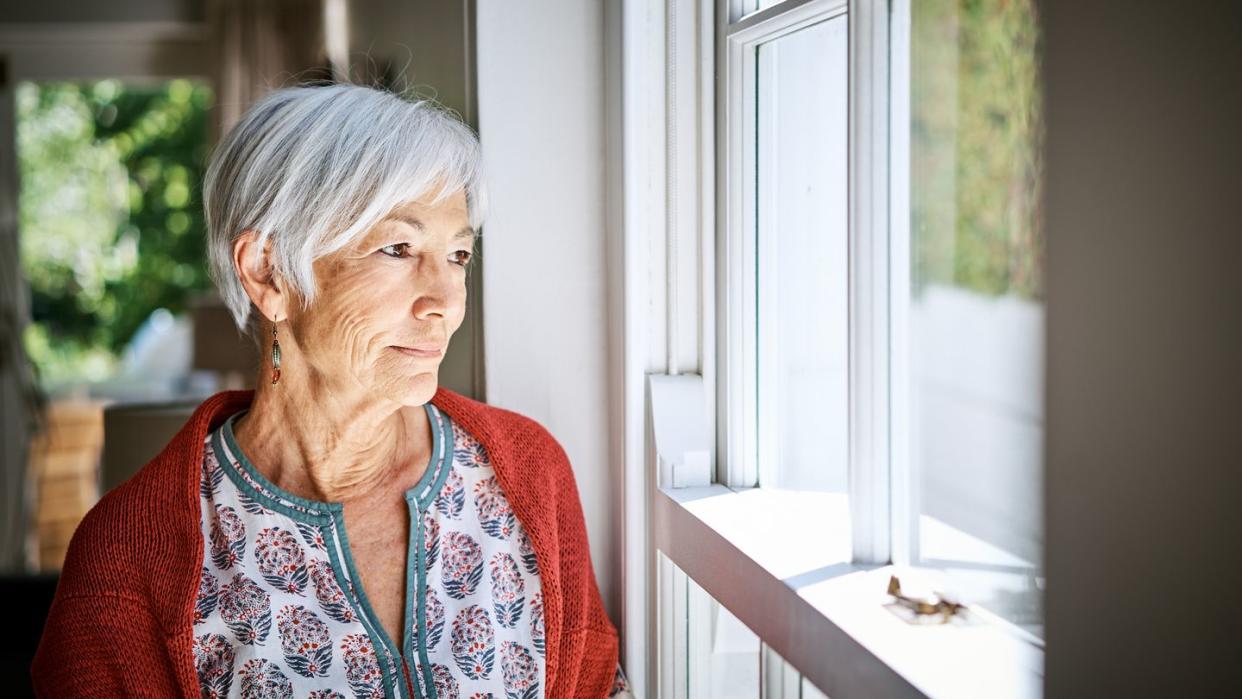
(779, 561)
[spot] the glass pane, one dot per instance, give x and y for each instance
(723, 652)
(704, 650)
(801, 258)
(783, 681)
(975, 312)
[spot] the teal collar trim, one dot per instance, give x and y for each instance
(258, 487)
(419, 502)
(255, 486)
(428, 487)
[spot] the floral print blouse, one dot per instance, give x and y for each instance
(279, 612)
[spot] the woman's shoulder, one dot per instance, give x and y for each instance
(494, 426)
(151, 520)
(520, 446)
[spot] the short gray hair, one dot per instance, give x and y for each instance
(311, 168)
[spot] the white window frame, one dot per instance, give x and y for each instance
(868, 254)
(682, 228)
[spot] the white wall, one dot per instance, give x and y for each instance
(541, 121)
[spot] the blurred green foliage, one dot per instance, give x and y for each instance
(109, 213)
(977, 146)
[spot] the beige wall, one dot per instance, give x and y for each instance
(1144, 432)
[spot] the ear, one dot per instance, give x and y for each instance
(258, 276)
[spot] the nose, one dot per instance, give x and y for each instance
(437, 287)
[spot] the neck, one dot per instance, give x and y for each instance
(326, 446)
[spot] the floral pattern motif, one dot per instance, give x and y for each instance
(212, 475)
(435, 620)
(331, 598)
(304, 640)
(508, 590)
(362, 668)
(495, 515)
(228, 537)
(536, 622)
(213, 660)
(527, 552)
(431, 539)
(251, 505)
(446, 685)
(474, 642)
(262, 679)
(208, 595)
(281, 560)
(462, 567)
(619, 682)
(452, 497)
(312, 536)
(519, 671)
(246, 609)
(467, 450)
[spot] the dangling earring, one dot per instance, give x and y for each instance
(275, 357)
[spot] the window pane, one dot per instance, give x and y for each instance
(709, 652)
(713, 653)
(801, 258)
(783, 681)
(730, 659)
(975, 312)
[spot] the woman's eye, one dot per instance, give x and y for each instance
(463, 257)
(395, 250)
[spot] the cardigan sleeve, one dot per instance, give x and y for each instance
(101, 646)
(104, 635)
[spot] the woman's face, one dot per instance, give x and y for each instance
(388, 304)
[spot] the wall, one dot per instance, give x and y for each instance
(541, 119)
(75, 11)
(1144, 439)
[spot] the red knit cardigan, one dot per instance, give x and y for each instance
(121, 623)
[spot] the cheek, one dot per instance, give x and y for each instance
(357, 315)
(457, 312)
(346, 323)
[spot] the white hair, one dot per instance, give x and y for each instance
(312, 168)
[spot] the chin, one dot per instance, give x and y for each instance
(413, 390)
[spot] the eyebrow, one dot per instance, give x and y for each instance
(466, 233)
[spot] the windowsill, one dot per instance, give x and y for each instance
(779, 561)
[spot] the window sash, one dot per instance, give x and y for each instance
(738, 418)
(881, 505)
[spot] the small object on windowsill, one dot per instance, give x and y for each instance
(936, 609)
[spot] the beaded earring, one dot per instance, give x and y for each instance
(275, 357)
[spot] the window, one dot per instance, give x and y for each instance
(968, 323)
(724, 659)
(801, 252)
(871, 337)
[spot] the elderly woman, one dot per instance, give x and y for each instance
(349, 528)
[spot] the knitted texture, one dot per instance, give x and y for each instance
(121, 623)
